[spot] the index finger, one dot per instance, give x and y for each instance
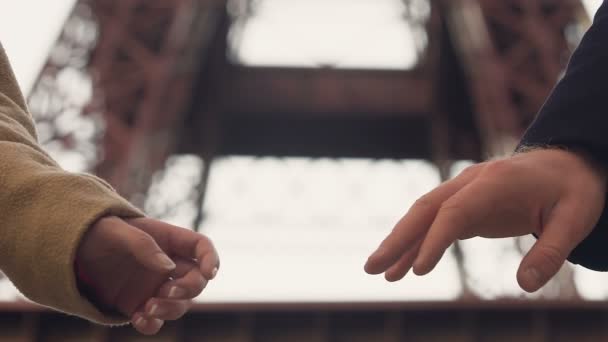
(416, 223)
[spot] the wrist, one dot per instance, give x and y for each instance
(581, 154)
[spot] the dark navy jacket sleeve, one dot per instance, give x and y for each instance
(576, 116)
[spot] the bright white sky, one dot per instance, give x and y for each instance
(28, 29)
(310, 240)
(310, 37)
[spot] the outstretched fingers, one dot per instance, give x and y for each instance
(456, 218)
(400, 268)
(415, 224)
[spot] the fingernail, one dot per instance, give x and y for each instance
(153, 310)
(214, 273)
(165, 261)
(534, 276)
(140, 321)
(176, 292)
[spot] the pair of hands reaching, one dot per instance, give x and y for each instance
(146, 269)
(149, 270)
(554, 194)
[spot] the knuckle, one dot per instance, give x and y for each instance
(203, 243)
(424, 202)
(472, 169)
(499, 167)
(143, 239)
(198, 286)
(451, 208)
(206, 242)
(456, 214)
(551, 255)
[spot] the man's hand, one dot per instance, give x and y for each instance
(146, 269)
(555, 194)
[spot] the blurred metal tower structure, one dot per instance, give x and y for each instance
(146, 62)
(512, 53)
(163, 84)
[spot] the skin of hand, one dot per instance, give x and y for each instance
(555, 194)
(146, 269)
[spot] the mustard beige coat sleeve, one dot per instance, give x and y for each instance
(44, 210)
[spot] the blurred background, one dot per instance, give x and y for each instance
(295, 133)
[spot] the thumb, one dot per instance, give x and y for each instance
(146, 251)
(564, 230)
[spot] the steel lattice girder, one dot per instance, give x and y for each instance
(145, 63)
(513, 53)
(149, 54)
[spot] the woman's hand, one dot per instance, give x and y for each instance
(555, 194)
(146, 269)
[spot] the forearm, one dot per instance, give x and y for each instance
(45, 210)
